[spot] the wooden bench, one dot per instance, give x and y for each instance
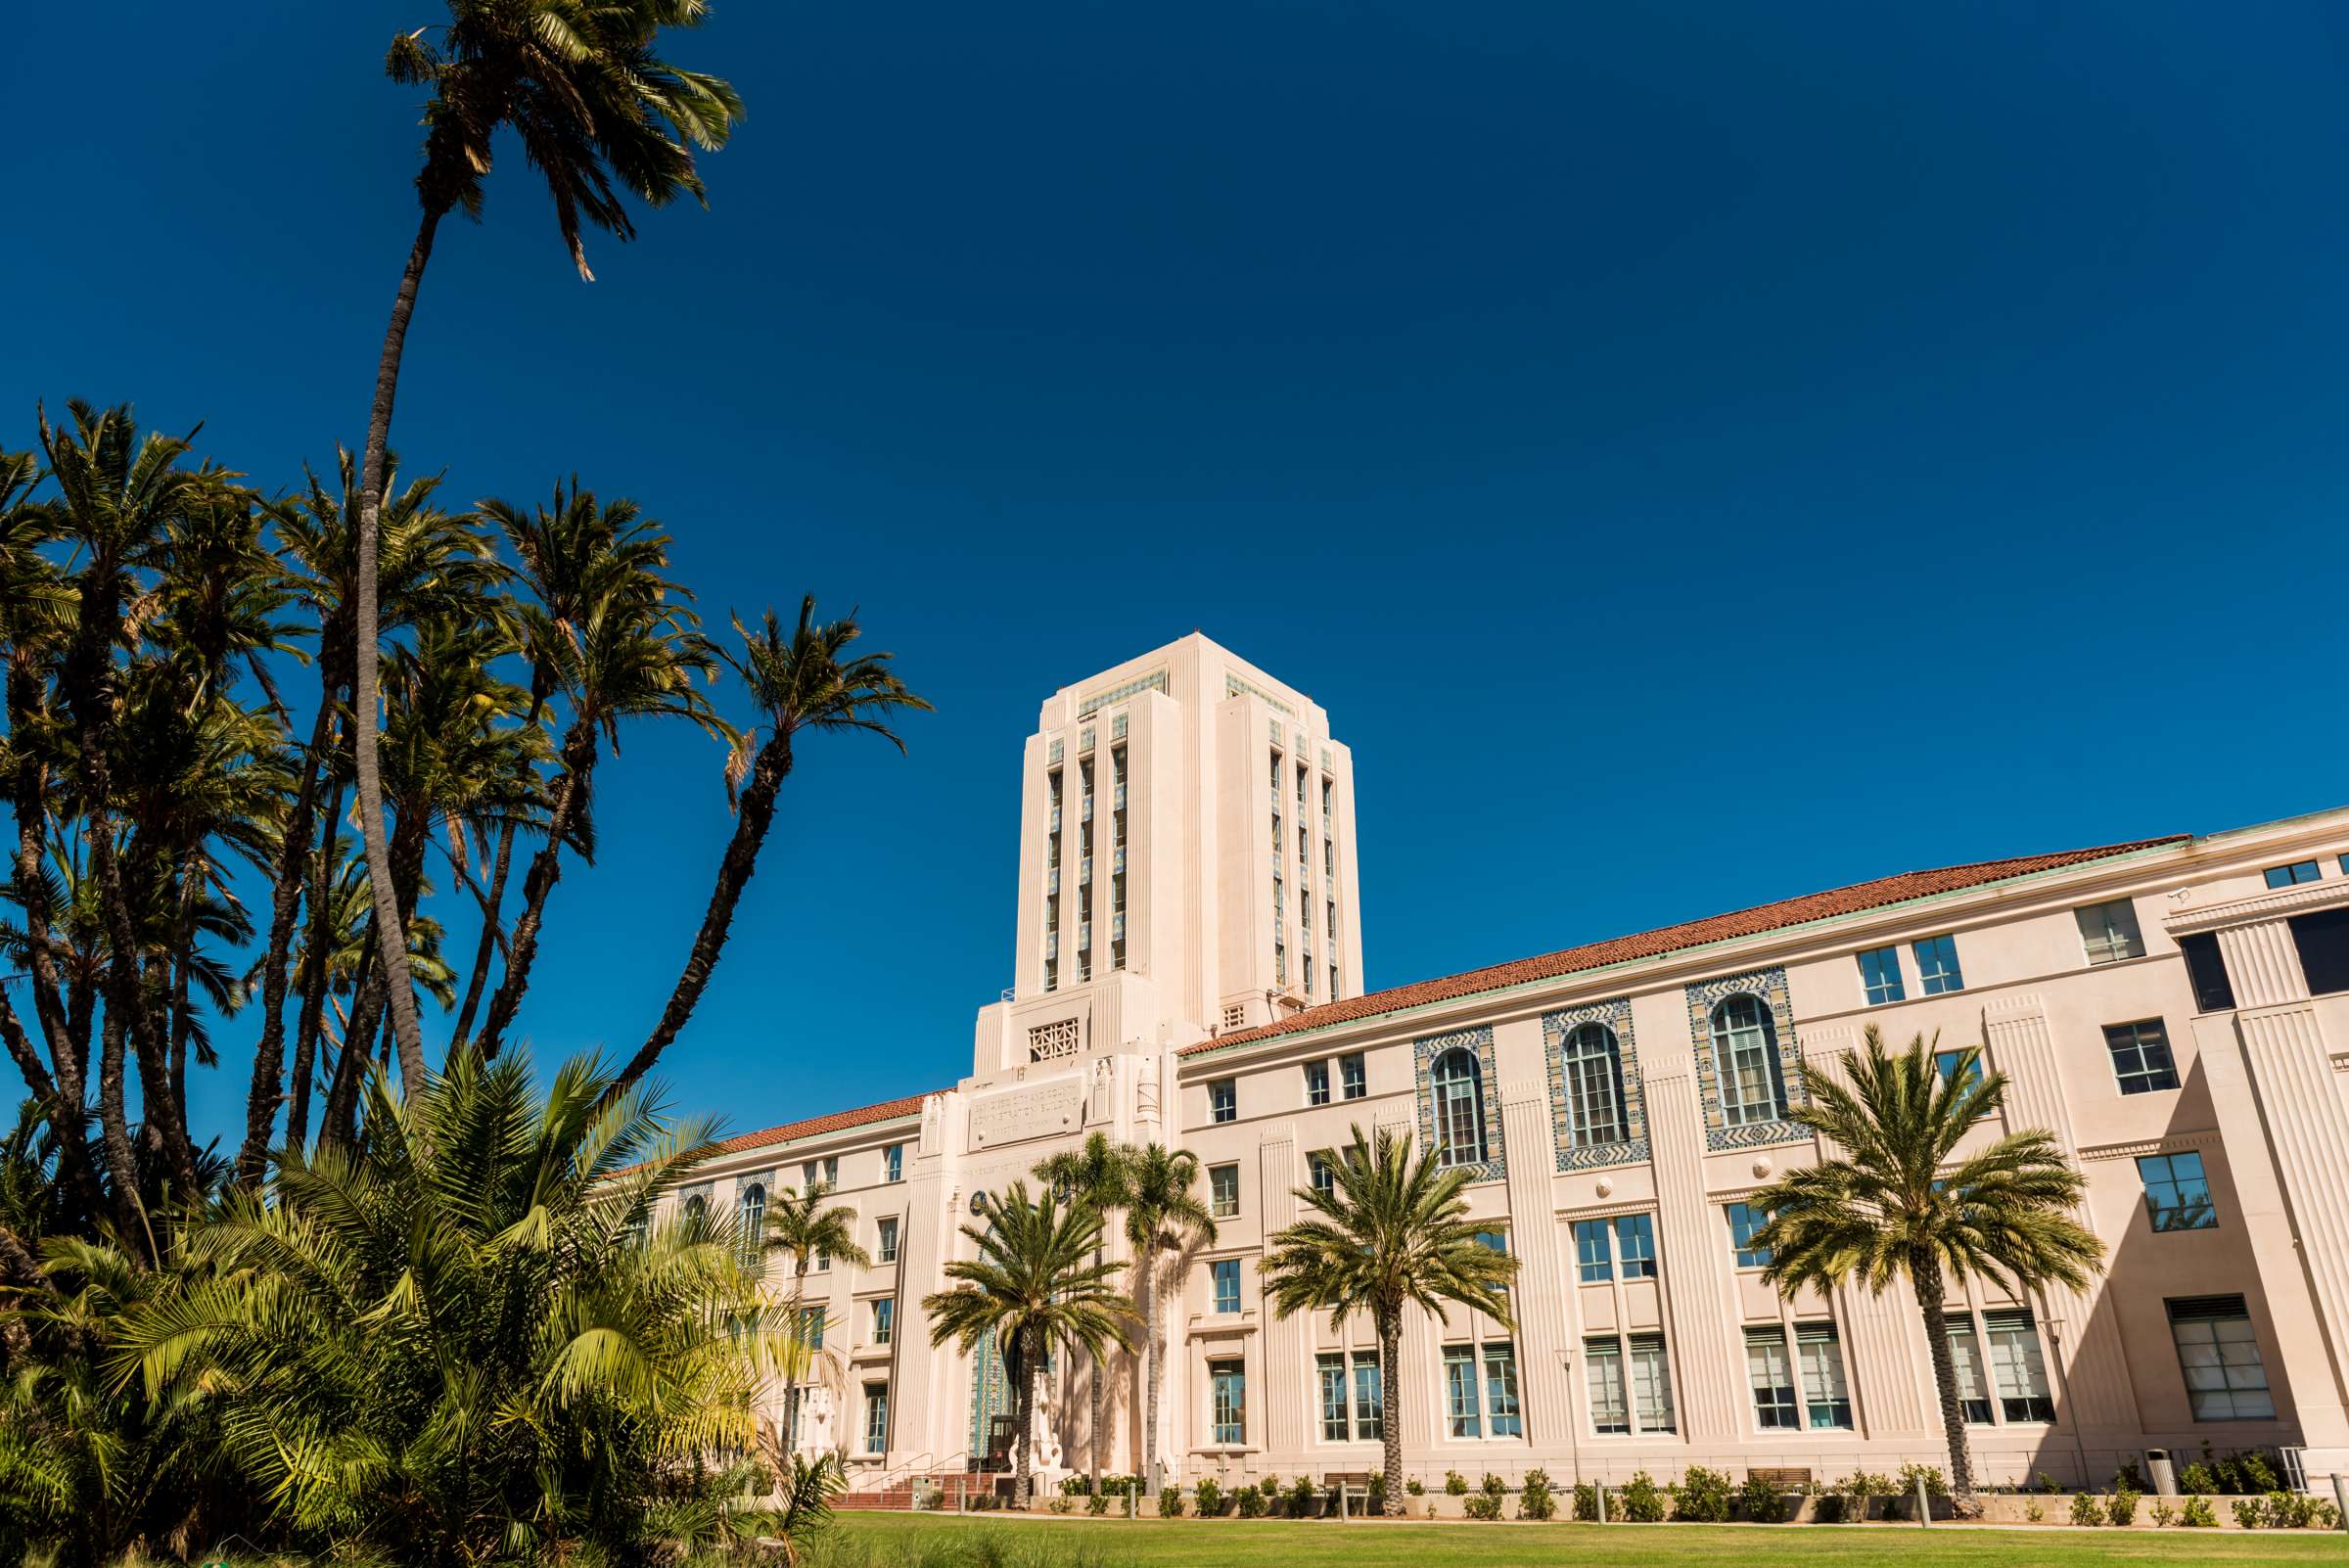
(1781, 1480)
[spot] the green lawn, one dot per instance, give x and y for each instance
(900, 1541)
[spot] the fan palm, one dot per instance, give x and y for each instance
(1391, 1232)
(1099, 1175)
(1034, 1288)
(1163, 1215)
(802, 1228)
(1887, 1202)
(800, 682)
(598, 113)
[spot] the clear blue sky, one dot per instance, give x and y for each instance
(1697, 454)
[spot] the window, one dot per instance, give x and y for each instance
(2225, 1378)
(1496, 1241)
(1458, 1086)
(1504, 1416)
(1651, 1384)
(1353, 1073)
(893, 1162)
(1772, 1377)
(1827, 1399)
(1224, 1101)
(2108, 932)
(885, 1319)
(1223, 1191)
(2283, 876)
(1225, 1273)
(2177, 1194)
(750, 1223)
(876, 1417)
(888, 1240)
(1228, 1382)
(1594, 1250)
(1324, 1172)
(1360, 1422)
(1498, 1414)
(1636, 1245)
(696, 1209)
(1745, 1223)
(1880, 976)
(1460, 1391)
(1937, 964)
(1951, 1064)
(2015, 1362)
(1745, 1058)
(1593, 1067)
(1316, 1077)
(1966, 1361)
(1610, 1411)
(824, 1171)
(1337, 1425)
(2140, 1056)
(2323, 939)
(823, 1261)
(811, 1328)
(2207, 970)
(1369, 1396)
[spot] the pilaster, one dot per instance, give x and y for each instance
(1542, 1301)
(1695, 1247)
(1287, 1359)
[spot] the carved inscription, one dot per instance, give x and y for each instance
(1029, 1113)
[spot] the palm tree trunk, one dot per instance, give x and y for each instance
(751, 822)
(315, 977)
(114, 1126)
(1146, 1299)
(1924, 1274)
(1390, 1414)
(546, 868)
(391, 932)
(192, 878)
(1023, 1460)
(502, 868)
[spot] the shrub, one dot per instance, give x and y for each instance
(2230, 1474)
(1169, 1503)
(1117, 1486)
(2290, 1510)
(1071, 1486)
(1064, 1503)
(1301, 1499)
(2196, 1477)
(1643, 1499)
(2196, 1513)
(2163, 1515)
(2324, 1515)
(1586, 1501)
(1097, 1504)
(1415, 1487)
(1210, 1496)
(1378, 1492)
(2250, 1512)
(1483, 1505)
(1702, 1496)
(1536, 1500)
(2033, 1512)
(1859, 1488)
(1455, 1483)
(2126, 1478)
(2085, 1510)
(2046, 1484)
(1251, 1501)
(1764, 1502)
(1936, 1485)
(2121, 1509)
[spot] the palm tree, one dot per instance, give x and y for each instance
(1392, 1231)
(1032, 1288)
(1163, 1215)
(597, 112)
(1888, 1202)
(1098, 1173)
(802, 1229)
(800, 682)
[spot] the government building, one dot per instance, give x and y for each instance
(1189, 971)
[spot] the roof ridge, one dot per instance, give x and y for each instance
(831, 1122)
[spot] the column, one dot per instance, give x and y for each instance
(1545, 1386)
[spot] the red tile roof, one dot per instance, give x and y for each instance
(1785, 912)
(837, 1121)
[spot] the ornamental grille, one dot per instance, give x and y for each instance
(1049, 1040)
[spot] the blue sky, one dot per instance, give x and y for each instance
(1697, 454)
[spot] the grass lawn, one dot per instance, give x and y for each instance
(883, 1540)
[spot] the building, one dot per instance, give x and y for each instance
(2176, 1010)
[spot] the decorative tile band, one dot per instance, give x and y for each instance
(1478, 1042)
(1156, 680)
(1556, 1029)
(1234, 686)
(1769, 988)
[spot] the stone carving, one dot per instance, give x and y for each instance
(1102, 1100)
(933, 1113)
(1017, 1115)
(1146, 1091)
(1047, 1042)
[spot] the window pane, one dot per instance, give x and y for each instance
(1224, 1272)
(1746, 1221)
(1332, 1370)
(2323, 939)
(1636, 1245)
(1460, 1391)
(1880, 975)
(1223, 1099)
(1369, 1399)
(876, 1417)
(1229, 1383)
(1351, 1068)
(2284, 876)
(1965, 1357)
(2015, 1362)
(2177, 1194)
(1456, 1083)
(1500, 1391)
(1937, 965)
(1223, 1191)
(1651, 1383)
(1826, 1400)
(1593, 1080)
(2108, 932)
(2140, 1056)
(1745, 1057)
(1609, 1411)
(1592, 1249)
(2207, 969)
(1772, 1377)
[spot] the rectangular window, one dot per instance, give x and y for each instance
(888, 1240)
(1636, 1245)
(1460, 1391)
(893, 1162)
(1225, 1275)
(1504, 1417)
(1223, 1191)
(1880, 976)
(2323, 939)
(1324, 1172)
(1228, 1381)
(1610, 1411)
(2177, 1194)
(876, 1417)
(885, 1319)
(2217, 1353)
(1497, 1241)
(1827, 1399)
(1949, 1063)
(1937, 965)
(1965, 1360)
(2140, 1056)
(1369, 1399)
(811, 1328)
(1772, 1377)
(1651, 1383)
(1224, 1101)
(1316, 1077)
(1745, 1223)
(2284, 876)
(2108, 932)
(1330, 1369)
(2015, 1362)
(1592, 1245)
(2206, 968)
(1353, 1073)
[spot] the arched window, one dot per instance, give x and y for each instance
(1459, 1087)
(1745, 1056)
(696, 1206)
(1593, 1071)
(750, 1220)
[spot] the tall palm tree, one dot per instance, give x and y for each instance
(1392, 1231)
(1034, 1288)
(1888, 1203)
(801, 1228)
(798, 682)
(1099, 1175)
(1163, 1215)
(598, 112)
